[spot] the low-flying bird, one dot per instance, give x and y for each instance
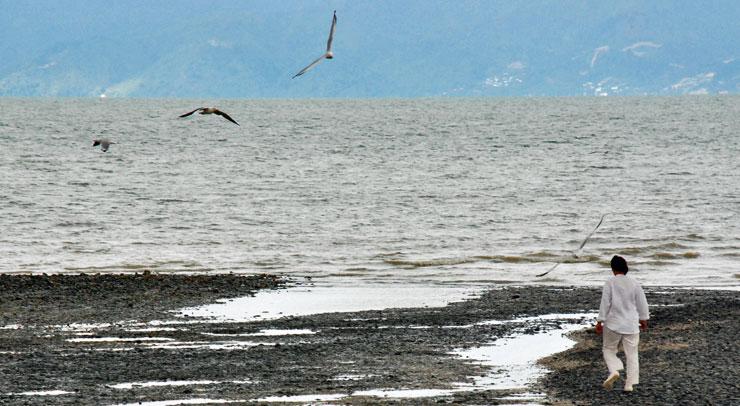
(211, 110)
(329, 54)
(104, 144)
(575, 253)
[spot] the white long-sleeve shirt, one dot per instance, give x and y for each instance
(623, 305)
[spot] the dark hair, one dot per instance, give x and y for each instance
(619, 264)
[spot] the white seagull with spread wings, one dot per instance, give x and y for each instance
(575, 253)
(329, 54)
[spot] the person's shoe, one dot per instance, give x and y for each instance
(609, 382)
(628, 388)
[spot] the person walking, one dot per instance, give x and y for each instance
(622, 314)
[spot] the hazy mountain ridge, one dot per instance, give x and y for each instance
(383, 49)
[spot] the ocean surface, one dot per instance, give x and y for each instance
(440, 191)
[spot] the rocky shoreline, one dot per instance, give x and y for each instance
(101, 298)
(113, 339)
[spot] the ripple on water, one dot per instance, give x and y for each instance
(447, 187)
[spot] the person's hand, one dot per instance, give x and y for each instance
(599, 328)
(643, 325)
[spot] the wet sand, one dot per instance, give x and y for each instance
(115, 339)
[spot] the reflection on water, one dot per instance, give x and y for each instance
(301, 301)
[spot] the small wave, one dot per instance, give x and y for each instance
(543, 254)
(660, 263)
(537, 257)
(172, 201)
(76, 224)
(565, 259)
(81, 250)
(511, 259)
(649, 248)
(161, 266)
(605, 167)
(668, 255)
(387, 254)
(428, 262)
(136, 266)
(269, 263)
(604, 262)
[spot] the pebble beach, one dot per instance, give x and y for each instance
(122, 339)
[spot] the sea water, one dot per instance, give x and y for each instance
(434, 191)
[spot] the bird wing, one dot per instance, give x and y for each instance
(331, 31)
(307, 68)
(96, 143)
(592, 232)
(226, 116)
(548, 271)
(579, 248)
(187, 114)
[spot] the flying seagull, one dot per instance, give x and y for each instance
(328, 55)
(211, 110)
(104, 144)
(575, 253)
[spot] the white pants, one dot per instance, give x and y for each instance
(629, 343)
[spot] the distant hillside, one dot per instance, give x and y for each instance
(409, 48)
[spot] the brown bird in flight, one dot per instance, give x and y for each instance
(211, 110)
(104, 144)
(329, 54)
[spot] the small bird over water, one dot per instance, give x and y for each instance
(329, 54)
(104, 144)
(211, 110)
